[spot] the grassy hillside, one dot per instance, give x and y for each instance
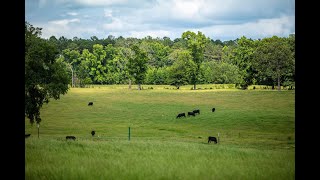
(256, 129)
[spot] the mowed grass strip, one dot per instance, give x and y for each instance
(256, 129)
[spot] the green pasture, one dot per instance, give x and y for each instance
(256, 134)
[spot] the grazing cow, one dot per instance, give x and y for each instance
(93, 133)
(213, 109)
(191, 114)
(70, 137)
(181, 115)
(90, 104)
(27, 135)
(196, 111)
(211, 138)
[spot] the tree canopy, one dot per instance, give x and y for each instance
(196, 43)
(114, 60)
(45, 77)
(274, 58)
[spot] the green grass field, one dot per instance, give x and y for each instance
(256, 128)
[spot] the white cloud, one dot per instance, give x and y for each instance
(119, 25)
(152, 33)
(213, 11)
(260, 28)
(223, 19)
(72, 13)
(100, 2)
(64, 22)
(185, 9)
(67, 30)
(107, 13)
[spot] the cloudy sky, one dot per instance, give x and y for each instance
(217, 19)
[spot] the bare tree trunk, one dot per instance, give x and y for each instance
(194, 86)
(139, 86)
(72, 78)
(129, 83)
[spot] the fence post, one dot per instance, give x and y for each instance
(129, 133)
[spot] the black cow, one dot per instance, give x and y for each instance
(93, 133)
(181, 115)
(211, 138)
(27, 135)
(213, 109)
(191, 114)
(196, 111)
(90, 104)
(70, 137)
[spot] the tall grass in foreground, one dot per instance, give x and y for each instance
(256, 131)
(152, 159)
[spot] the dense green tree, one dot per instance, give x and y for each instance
(84, 68)
(212, 52)
(183, 68)
(105, 61)
(196, 44)
(137, 65)
(243, 57)
(167, 41)
(157, 53)
(227, 54)
(123, 55)
(274, 58)
(217, 42)
(100, 63)
(220, 72)
(45, 77)
(179, 43)
(157, 75)
(114, 65)
(71, 58)
(63, 43)
(88, 63)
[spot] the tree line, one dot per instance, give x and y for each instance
(191, 59)
(51, 64)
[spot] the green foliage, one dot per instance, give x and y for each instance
(183, 68)
(212, 52)
(157, 75)
(137, 65)
(105, 61)
(221, 73)
(274, 59)
(196, 44)
(157, 53)
(243, 57)
(45, 77)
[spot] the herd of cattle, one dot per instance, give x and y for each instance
(192, 113)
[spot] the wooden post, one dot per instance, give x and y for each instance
(129, 133)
